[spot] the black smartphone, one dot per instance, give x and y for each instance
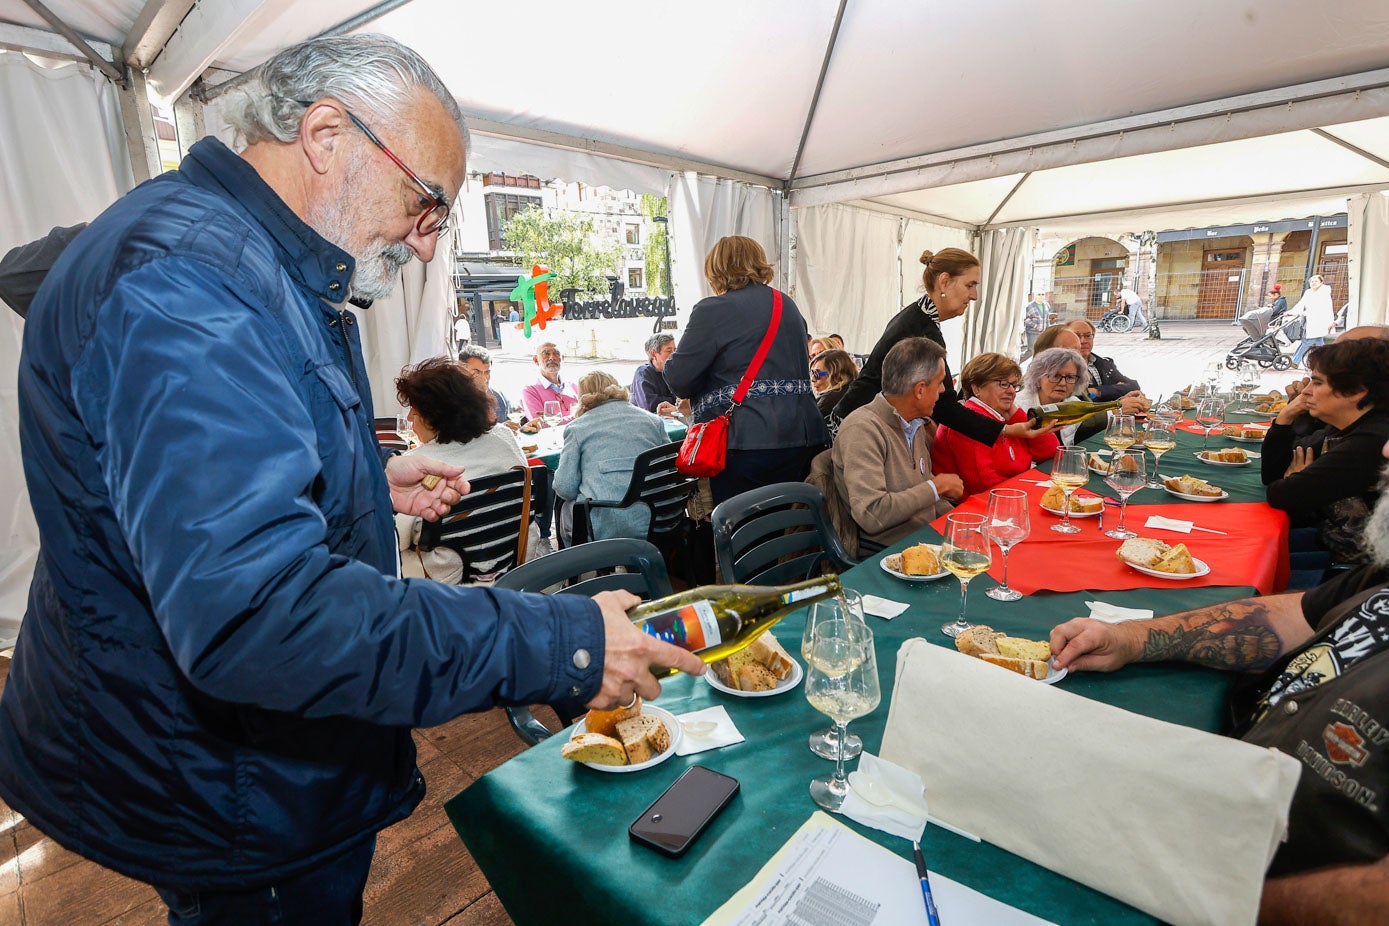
(676, 818)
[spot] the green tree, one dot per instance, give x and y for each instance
(656, 244)
(566, 243)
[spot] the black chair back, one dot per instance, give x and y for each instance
(491, 522)
(643, 573)
(655, 483)
(776, 535)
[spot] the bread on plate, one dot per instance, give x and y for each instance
(643, 738)
(605, 722)
(1190, 485)
(1055, 499)
(759, 666)
(595, 748)
(1228, 455)
(920, 560)
(1026, 657)
(1154, 554)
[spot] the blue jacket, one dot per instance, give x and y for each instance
(600, 447)
(217, 674)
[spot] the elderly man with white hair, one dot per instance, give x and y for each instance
(1321, 694)
(218, 670)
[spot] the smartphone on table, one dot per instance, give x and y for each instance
(676, 818)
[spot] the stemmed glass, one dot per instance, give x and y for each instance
(1128, 472)
(841, 682)
(1121, 433)
(965, 553)
(551, 413)
(1069, 471)
(1007, 525)
(1160, 439)
(405, 430)
(848, 607)
(1210, 415)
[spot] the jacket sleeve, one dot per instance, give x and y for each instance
(570, 470)
(1350, 468)
(874, 508)
(956, 417)
(218, 504)
(1115, 384)
(687, 370)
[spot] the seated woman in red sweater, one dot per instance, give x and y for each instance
(989, 384)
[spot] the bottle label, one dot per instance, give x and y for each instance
(1048, 409)
(692, 626)
(801, 594)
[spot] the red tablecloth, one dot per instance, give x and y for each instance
(1252, 552)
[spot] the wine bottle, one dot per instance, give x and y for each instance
(1071, 411)
(715, 621)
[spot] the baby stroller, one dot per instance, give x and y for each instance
(1270, 346)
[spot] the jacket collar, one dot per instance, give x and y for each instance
(315, 263)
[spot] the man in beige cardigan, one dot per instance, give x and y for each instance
(882, 454)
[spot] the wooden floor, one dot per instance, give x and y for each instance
(421, 874)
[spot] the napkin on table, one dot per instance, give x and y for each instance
(879, 779)
(885, 608)
(1113, 614)
(1169, 524)
(724, 734)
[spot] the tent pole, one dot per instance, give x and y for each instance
(815, 97)
(1352, 148)
(112, 72)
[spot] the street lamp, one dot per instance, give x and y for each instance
(665, 220)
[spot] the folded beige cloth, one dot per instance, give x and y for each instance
(1177, 822)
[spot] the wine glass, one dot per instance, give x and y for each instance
(848, 606)
(1210, 415)
(1121, 433)
(1128, 472)
(1161, 438)
(405, 429)
(965, 553)
(1069, 471)
(1007, 525)
(841, 682)
(551, 413)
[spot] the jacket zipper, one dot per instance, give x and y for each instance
(341, 322)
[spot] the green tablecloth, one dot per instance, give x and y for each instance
(675, 429)
(551, 837)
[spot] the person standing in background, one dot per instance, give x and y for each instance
(1133, 304)
(1036, 317)
(462, 331)
(1279, 302)
(1319, 319)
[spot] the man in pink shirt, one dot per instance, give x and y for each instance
(549, 387)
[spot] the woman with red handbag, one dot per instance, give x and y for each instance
(743, 359)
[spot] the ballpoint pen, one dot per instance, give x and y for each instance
(932, 917)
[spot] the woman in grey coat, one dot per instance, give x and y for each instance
(600, 446)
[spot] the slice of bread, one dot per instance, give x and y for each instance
(1142, 551)
(643, 738)
(920, 560)
(767, 650)
(1032, 668)
(1176, 560)
(605, 723)
(755, 677)
(1054, 499)
(1018, 648)
(595, 748)
(1190, 485)
(1229, 455)
(1099, 461)
(978, 640)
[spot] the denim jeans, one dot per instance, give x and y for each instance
(1306, 345)
(330, 895)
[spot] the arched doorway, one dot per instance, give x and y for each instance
(1089, 273)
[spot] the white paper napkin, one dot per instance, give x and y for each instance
(885, 608)
(886, 797)
(723, 734)
(1113, 614)
(1168, 524)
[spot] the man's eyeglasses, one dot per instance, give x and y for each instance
(1007, 384)
(435, 217)
(1069, 379)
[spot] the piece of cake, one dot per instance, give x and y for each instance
(595, 748)
(920, 560)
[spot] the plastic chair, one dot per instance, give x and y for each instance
(491, 522)
(563, 572)
(656, 484)
(775, 535)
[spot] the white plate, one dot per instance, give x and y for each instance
(892, 565)
(672, 727)
(1075, 514)
(782, 686)
(1201, 570)
(1090, 464)
(1054, 675)
(1222, 462)
(1198, 498)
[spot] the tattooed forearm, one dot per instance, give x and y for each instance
(1229, 636)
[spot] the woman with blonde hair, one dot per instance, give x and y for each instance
(601, 445)
(951, 278)
(831, 372)
(777, 429)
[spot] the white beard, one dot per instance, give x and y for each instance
(1377, 527)
(377, 264)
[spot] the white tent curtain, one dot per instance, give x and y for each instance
(412, 324)
(846, 271)
(705, 209)
(1368, 240)
(64, 154)
(520, 157)
(1005, 258)
(918, 236)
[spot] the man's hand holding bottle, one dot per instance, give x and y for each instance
(629, 654)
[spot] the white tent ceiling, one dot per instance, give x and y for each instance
(1180, 112)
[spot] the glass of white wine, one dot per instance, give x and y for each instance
(965, 553)
(405, 429)
(1122, 432)
(1069, 471)
(1128, 472)
(1008, 525)
(1161, 438)
(847, 607)
(551, 413)
(841, 682)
